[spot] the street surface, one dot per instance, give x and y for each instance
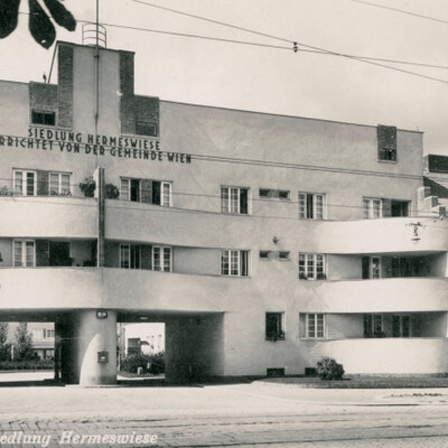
(240, 415)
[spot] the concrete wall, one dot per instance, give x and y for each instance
(197, 261)
(381, 356)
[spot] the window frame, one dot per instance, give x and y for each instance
(43, 114)
(311, 211)
(138, 128)
(401, 325)
(228, 200)
(318, 321)
(25, 183)
(60, 191)
(278, 333)
(162, 265)
(310, 262)
(23, 253)
(369, 210)
(166, 198)
(370, 320)
(237, 262)
(133, 256)
(274, 194)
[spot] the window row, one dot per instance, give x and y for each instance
(234, 200)
(32, 183)
(234, 263)
(315, 326)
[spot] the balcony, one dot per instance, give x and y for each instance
(48, 216)
(389, 355)
(67, 288)
(372, 236)
(374, 296)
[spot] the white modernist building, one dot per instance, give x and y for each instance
(262, 242)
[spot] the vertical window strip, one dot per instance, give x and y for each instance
(124, 256)
(124, 189)
(166, 194)
(156, 261)
(30, 183)
(311, 206)
(29, 256)
(235, 263)
(17, 253)
(18, 183)
(225, 262)
(167, 259)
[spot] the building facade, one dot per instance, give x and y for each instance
(263, 242)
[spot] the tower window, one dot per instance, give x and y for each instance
(146, 128)
(43, 117)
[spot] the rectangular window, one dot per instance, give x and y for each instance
(387, 142)
(399, 208)
(129, 256)
(25, 183)
(373, 325)
(146, 190)
(162, 258)
(274, 327)
(235, 200)
(235, 263)
(24, 253)
(312, 266)
(43, 117)
(311, 206)
(59, 184)
(315, 326)
(269, 193)
(371, 267)
(401, 326)
(146, 128)
(373, 208)
(274, 255)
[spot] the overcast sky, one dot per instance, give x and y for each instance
(275, 80)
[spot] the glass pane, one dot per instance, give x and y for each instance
(17, 253)
(309, 206)
(311, 325)
(65, 183)
(225, 200)
(244, 263)
(366, 204)
(18, 187)
(225, 262)
(54, 183)
(166, 194)
(124, 193)
(377, 324)
(376, 267)
(167, 259)
(320, 325)
(124, 257)
(234, 262)
(319, 200)
(30, 184)
(302, 205)
(302, 271)
(234, 200)
(310, 266)
(29, 253)
(319, 264)
(376, 208)
(156, 259)
(406, 326)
